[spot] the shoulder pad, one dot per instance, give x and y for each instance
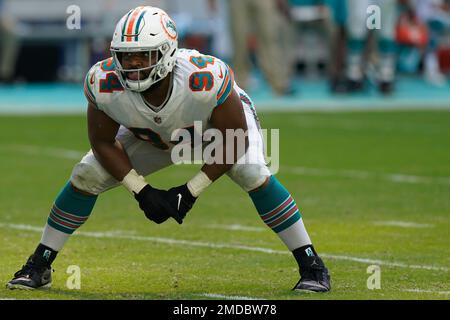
(101, 80)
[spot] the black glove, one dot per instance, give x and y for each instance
(181, 199)
(155, 204)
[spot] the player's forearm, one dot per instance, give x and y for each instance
(207, 175)
(113, 158)
(213, 170)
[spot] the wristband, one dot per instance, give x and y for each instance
(134, 182)
(198, 183)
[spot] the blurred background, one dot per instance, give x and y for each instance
(288, 54)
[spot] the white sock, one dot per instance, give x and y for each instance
(387, 68)
(431, 63)
(295, 236)
(53, 238)
(354, 68)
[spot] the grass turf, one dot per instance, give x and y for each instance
(338, 166)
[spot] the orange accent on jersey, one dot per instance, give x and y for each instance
(89, 96)
(201, 81)
(232, 75)
(110, 84)
(202, 62)
(227, 79)
(227, 85)
(131, 23)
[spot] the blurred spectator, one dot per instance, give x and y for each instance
(195, 22)
(275, 34)
(264, 18)
(358, 38)
(9, 45)
(436, 14)
(412, 39)
(336, 62)
(313, 23)
(321, 32)
(222, 46)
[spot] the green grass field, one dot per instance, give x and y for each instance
(373, 187)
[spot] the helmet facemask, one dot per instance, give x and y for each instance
(155, 68)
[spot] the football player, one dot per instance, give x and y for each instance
(136, 99)
(358, 31)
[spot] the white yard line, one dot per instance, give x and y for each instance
(353, 174)
(385, 263)
(48, 151)
(403, 224)
(426, 291)
(222, 296)
(363, 175)
(116, 235)
(235, 227)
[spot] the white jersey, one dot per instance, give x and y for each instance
(200, 84)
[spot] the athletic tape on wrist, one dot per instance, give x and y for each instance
(134, 182)
(198, 183)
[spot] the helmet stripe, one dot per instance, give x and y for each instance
(131, 23)
(125, 24)
(138, 24)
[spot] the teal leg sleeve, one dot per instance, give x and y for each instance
(275, 205)
(70, 210)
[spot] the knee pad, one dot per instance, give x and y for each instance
(249, 176)
(86, 177)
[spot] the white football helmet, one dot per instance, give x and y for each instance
(145, 29)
